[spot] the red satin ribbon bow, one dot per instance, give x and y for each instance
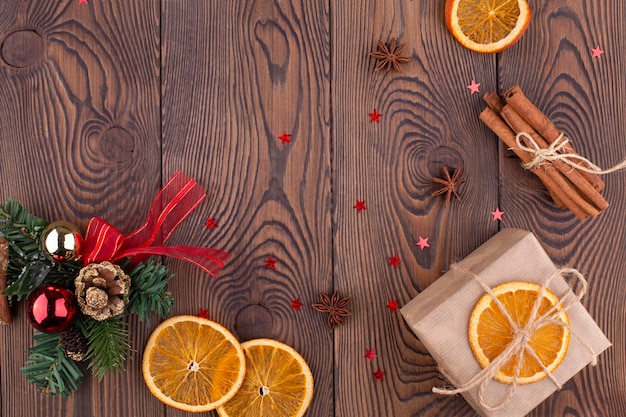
(176, 200)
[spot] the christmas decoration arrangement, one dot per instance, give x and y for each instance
(506, 332)
(212, 370)
(79, 288)
(539, 334)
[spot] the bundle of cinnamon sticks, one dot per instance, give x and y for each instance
(569, 187)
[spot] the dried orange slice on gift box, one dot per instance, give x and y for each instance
(487, 26)
(490, 332)
(278, 382)
(193, 364)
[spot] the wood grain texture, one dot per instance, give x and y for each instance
(429, 121)
(584, 97)
(100, 102)
(79, 128)
(235, 76)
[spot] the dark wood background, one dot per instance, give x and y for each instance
(101, 102)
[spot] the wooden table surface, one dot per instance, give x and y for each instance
(101, 102)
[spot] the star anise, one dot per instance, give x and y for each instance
(449, 185)
(389, 56)
(335, 307)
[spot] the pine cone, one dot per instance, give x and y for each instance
(101, 290)
(74, 343)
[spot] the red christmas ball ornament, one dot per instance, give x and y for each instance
(51, 308)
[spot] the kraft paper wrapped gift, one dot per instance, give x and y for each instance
(440, 315)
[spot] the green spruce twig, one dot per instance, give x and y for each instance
(28, 267)
(17, 224)
(50, 368)
(148, 291)
(108, 344)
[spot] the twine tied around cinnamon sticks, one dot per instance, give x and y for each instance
(556, 152)
(521, 337)
(572, 181)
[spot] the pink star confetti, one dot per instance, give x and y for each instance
(474, 87)
(82, 2)
(497, 215)
(204, 314)
(270, 263)
(374, 117)
(378, 375)
(597, 52)
(359, 206)
(211, 223)
(296, 304)
(392, 305)
(394, 261)
(370, 354)
(423, 243)
(284, 138)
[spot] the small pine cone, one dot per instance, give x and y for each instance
(101, 290)
(74, 343)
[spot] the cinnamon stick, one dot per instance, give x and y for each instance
(5, 311)
(544, 127)
(581, 186)
(553, 180)
(495, 103)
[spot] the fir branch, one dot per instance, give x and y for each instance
(148, 291)
(50, 368)
(28, 267)
(18, 224)
(108, 344)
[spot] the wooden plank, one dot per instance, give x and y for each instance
(235, 76)
(430, 120)
(583, 96)
(80, 132)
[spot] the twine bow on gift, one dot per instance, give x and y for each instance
(556, 151)
(522, 335)
(177, 199)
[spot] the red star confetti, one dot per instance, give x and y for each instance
(370, 354)
(394, 261)
(284, 138)
(204, 314)
(296, 304)
(474, 87)
(423, 243)
(378, 375)
(497, 215)
(392, 305)
(374, 117)
(211, 223)
(359, 206)
(270, 263)
(597, 52)
(82, 2)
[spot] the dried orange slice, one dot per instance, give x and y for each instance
(487, 26)
(490, 332)
(193, 364)
(278, 382)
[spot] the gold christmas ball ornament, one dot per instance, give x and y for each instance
(61, 241)
(101, 290)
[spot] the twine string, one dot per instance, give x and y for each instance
(556, 152)
(521, 337)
